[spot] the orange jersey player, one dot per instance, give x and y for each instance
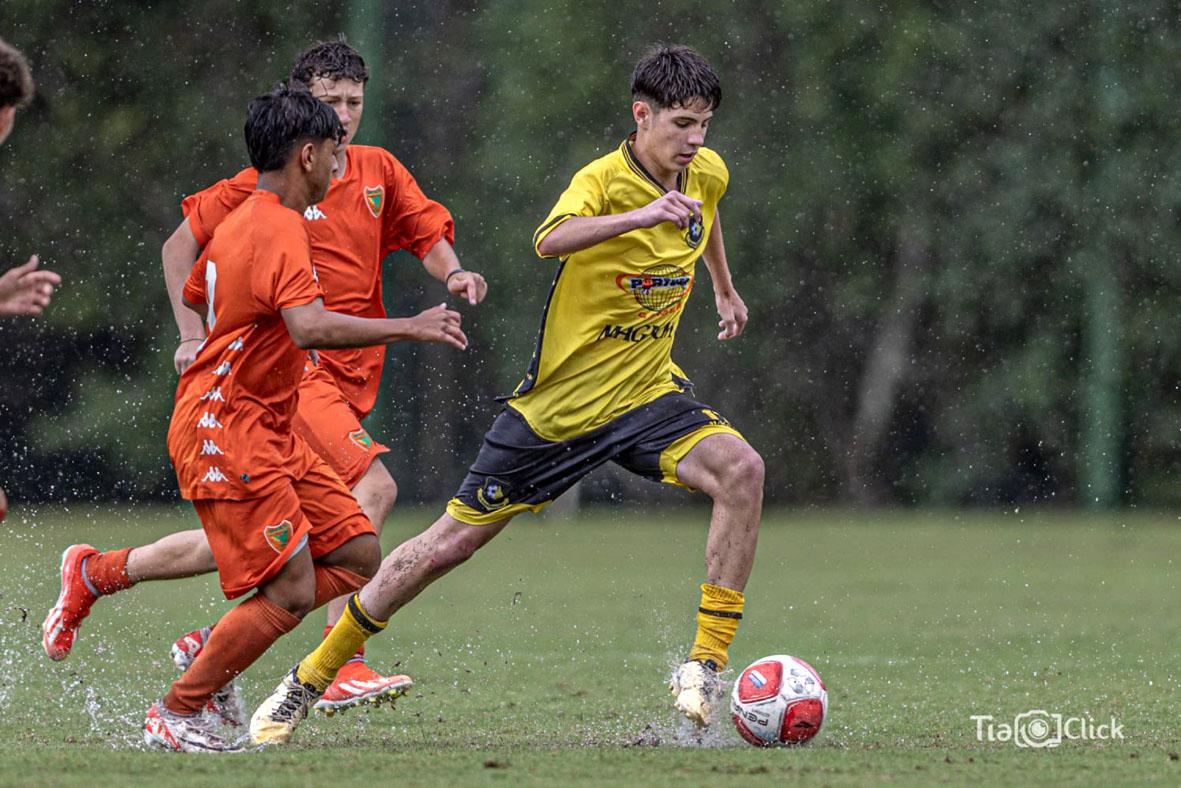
(278, 519)
(373, 207)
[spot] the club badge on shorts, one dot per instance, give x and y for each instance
(278, 536)
(492, 495)
(362, 439)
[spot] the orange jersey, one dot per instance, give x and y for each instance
(231, 435)
(375, 209)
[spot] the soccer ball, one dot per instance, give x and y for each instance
(779, 701)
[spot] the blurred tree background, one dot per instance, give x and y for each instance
(955, 224)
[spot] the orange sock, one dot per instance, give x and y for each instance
(240, 637)
(334, 581)
(107, 572)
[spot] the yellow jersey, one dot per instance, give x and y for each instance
(605, 345)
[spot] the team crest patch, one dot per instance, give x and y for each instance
(278, 536)
(362, 439)
(492, 494)
(374, 197)
(695, 232)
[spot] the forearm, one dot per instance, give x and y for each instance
(441, 260)
(334, 330)
(179, 254)
(582, 232)
(715, 259)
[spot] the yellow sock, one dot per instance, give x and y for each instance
(717, 621)
(355, 626)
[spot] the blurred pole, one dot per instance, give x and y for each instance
(1101, 436)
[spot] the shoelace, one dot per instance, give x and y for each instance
(293, 704)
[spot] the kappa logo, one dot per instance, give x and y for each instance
(659, 289)
(492, 495)
(313, 213)
(209, 447)
(214, 474)
(237, 344)
(374, 198)
(223, 369)
(209, 421)
(362, 439)
(278, 536)
(213, 395)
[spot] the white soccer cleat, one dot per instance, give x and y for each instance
(226, 705)
(180, 733)
(697, 689)
(280, 714)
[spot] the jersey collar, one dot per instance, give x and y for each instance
(633, 163)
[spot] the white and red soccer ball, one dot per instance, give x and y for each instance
(779, 701)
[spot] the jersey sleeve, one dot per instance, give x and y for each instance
(194, 289)
(585, 196)
(412, 221)
(206, 209)
(283, 273)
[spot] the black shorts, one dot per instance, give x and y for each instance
(517, 470)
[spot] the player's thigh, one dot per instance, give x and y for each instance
(719, 463)
(661, 434)
(252, 539)
(325, 420)
(518, 471)
(333, 514)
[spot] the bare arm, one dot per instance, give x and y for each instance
(731, 308)
(313, 326)
(441, 261)
(179, 253)
(582, 232)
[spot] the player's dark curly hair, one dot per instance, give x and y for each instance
(674, 75)
(330, 59)
(288, 116)
(16, 81)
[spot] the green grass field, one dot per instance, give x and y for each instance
(544, 659)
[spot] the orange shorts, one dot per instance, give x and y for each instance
(327, 422)
(252, 539)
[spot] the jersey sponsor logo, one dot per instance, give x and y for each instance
(209, 447)
(362, 439)
(659, 289)
(374, 198)
(640, 333)
(213, 395)
(214, 474)
(313, 213)
(493, 494)
(209, 421)
(694, 233)
(278, 536)
(223, 368)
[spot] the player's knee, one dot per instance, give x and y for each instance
(744, 473)
(296, 600)
(368, 556)
(459, 546)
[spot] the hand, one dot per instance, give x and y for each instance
(186, 354)
(732, 310)
(26, 291)
(439, 324)
(672, 207)
(469, 285)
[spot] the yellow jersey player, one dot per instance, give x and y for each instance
(602, 385)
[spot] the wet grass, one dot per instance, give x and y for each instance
(543, 660)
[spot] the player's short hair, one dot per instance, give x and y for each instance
(288, 116)
(16, 81)
(673, 75)
(331, 60)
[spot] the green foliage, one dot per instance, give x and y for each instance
(1017, 162)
